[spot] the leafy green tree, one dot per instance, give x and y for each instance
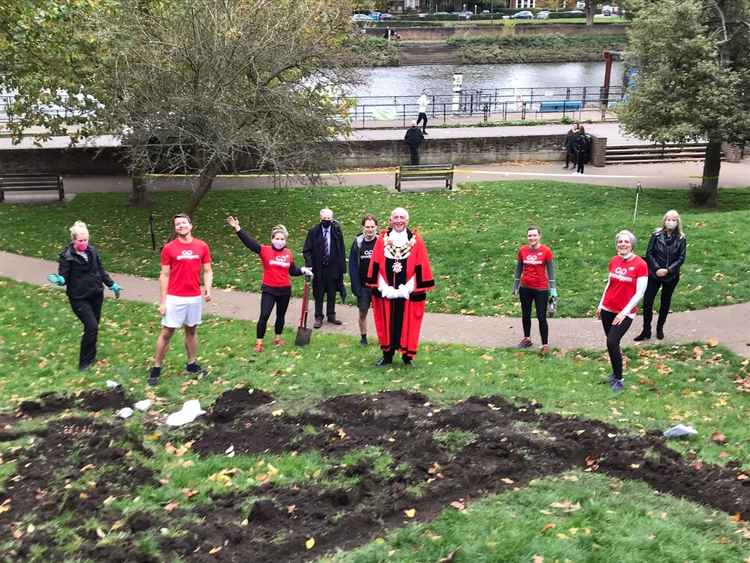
(693, 78)
(196, 86)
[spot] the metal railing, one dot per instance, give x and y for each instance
(499, 104)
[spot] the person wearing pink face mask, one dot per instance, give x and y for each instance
(276, 288)
(80, 270)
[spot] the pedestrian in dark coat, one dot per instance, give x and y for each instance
(324, 253)
(665, 256)
(414, 138)
(570, 155)
(80, 270)
(582, 149)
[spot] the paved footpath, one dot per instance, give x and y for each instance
(728, 324)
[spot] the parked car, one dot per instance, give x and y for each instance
(543, 15)
(466, 14)
(385, 16)
(358, 18)
(524, 15)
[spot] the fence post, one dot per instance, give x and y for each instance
(583, 102)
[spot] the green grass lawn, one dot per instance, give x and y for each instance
(472, 236)
(609, 520)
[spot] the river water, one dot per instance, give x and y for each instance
(438, 78)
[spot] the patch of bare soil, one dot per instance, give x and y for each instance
(507, 446)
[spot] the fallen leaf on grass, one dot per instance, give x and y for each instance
(548, 526)
(458, 505)
(697, 352)
(310, 543)
(712, 342)
(450, 557)
(566, 506)
(537, 559)
(215, 550)
(507, 481)
(410, 512)
(719, 438)
(171, 506)
(742, 477)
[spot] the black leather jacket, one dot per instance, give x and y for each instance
(83, 278)
(665, 251)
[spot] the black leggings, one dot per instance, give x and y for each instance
(667, 289)
(580, 161)
(267, 301)
(89, 311)
(539, 297)
(614, 335)
(422, 117)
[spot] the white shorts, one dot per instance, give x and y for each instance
(182, 311)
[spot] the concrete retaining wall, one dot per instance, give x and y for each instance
(444, 33)
(349, 154)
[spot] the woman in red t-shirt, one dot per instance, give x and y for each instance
(534, 282)
(628, 278)
(276, 287)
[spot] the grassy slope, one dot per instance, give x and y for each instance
(472, 235)
(38, 346)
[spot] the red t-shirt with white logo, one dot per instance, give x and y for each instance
(185, 261)
(276, 264)
(534, 274)
(623, 281)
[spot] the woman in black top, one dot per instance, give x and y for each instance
(665, 255)
(80, 270)
(359, 262)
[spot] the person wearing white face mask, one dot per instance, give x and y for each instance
(665, 256)
(628, 277)
(276, 288)
(80, 270)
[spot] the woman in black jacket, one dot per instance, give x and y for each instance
(665, 255)
(80, 270)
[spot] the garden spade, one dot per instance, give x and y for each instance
(304, 333)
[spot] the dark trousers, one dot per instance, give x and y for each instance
(89, 312)
(580, 161)
(667, 289)
(324, 286)
(614, 336)
(422, 116)
(267, 301)
(569, 157)
(414, 153)
(539, 297)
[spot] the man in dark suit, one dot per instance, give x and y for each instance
(324, 253)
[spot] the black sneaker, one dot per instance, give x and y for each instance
(363, 341)
(153, 375)
(194, 368)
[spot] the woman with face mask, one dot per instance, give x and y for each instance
(80, 270)
(276, 287)
(665, 255)
(628, 277)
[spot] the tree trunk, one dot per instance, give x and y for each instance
(708, 194)
(139, 191)
(589, 10)
(205, 181)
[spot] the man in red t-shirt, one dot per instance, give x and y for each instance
(180, 303)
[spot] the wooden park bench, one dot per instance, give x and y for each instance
(29, 183)
(423, 172)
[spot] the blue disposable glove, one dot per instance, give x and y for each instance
(553, 292)
(56, 279)
(116, 289)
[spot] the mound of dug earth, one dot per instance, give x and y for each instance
(444, 454)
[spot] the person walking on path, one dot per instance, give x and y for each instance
(180, 302)
(570, 155)
(276, 287)
(665, 256)
(423, 102)
(628, 277)
(324, 253)
(400, 276)
(534, 282)
(80, 269)
(414, 138)
(359, 263)
(582, 149)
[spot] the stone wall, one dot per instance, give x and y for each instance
(349, 154)
(500, 30)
